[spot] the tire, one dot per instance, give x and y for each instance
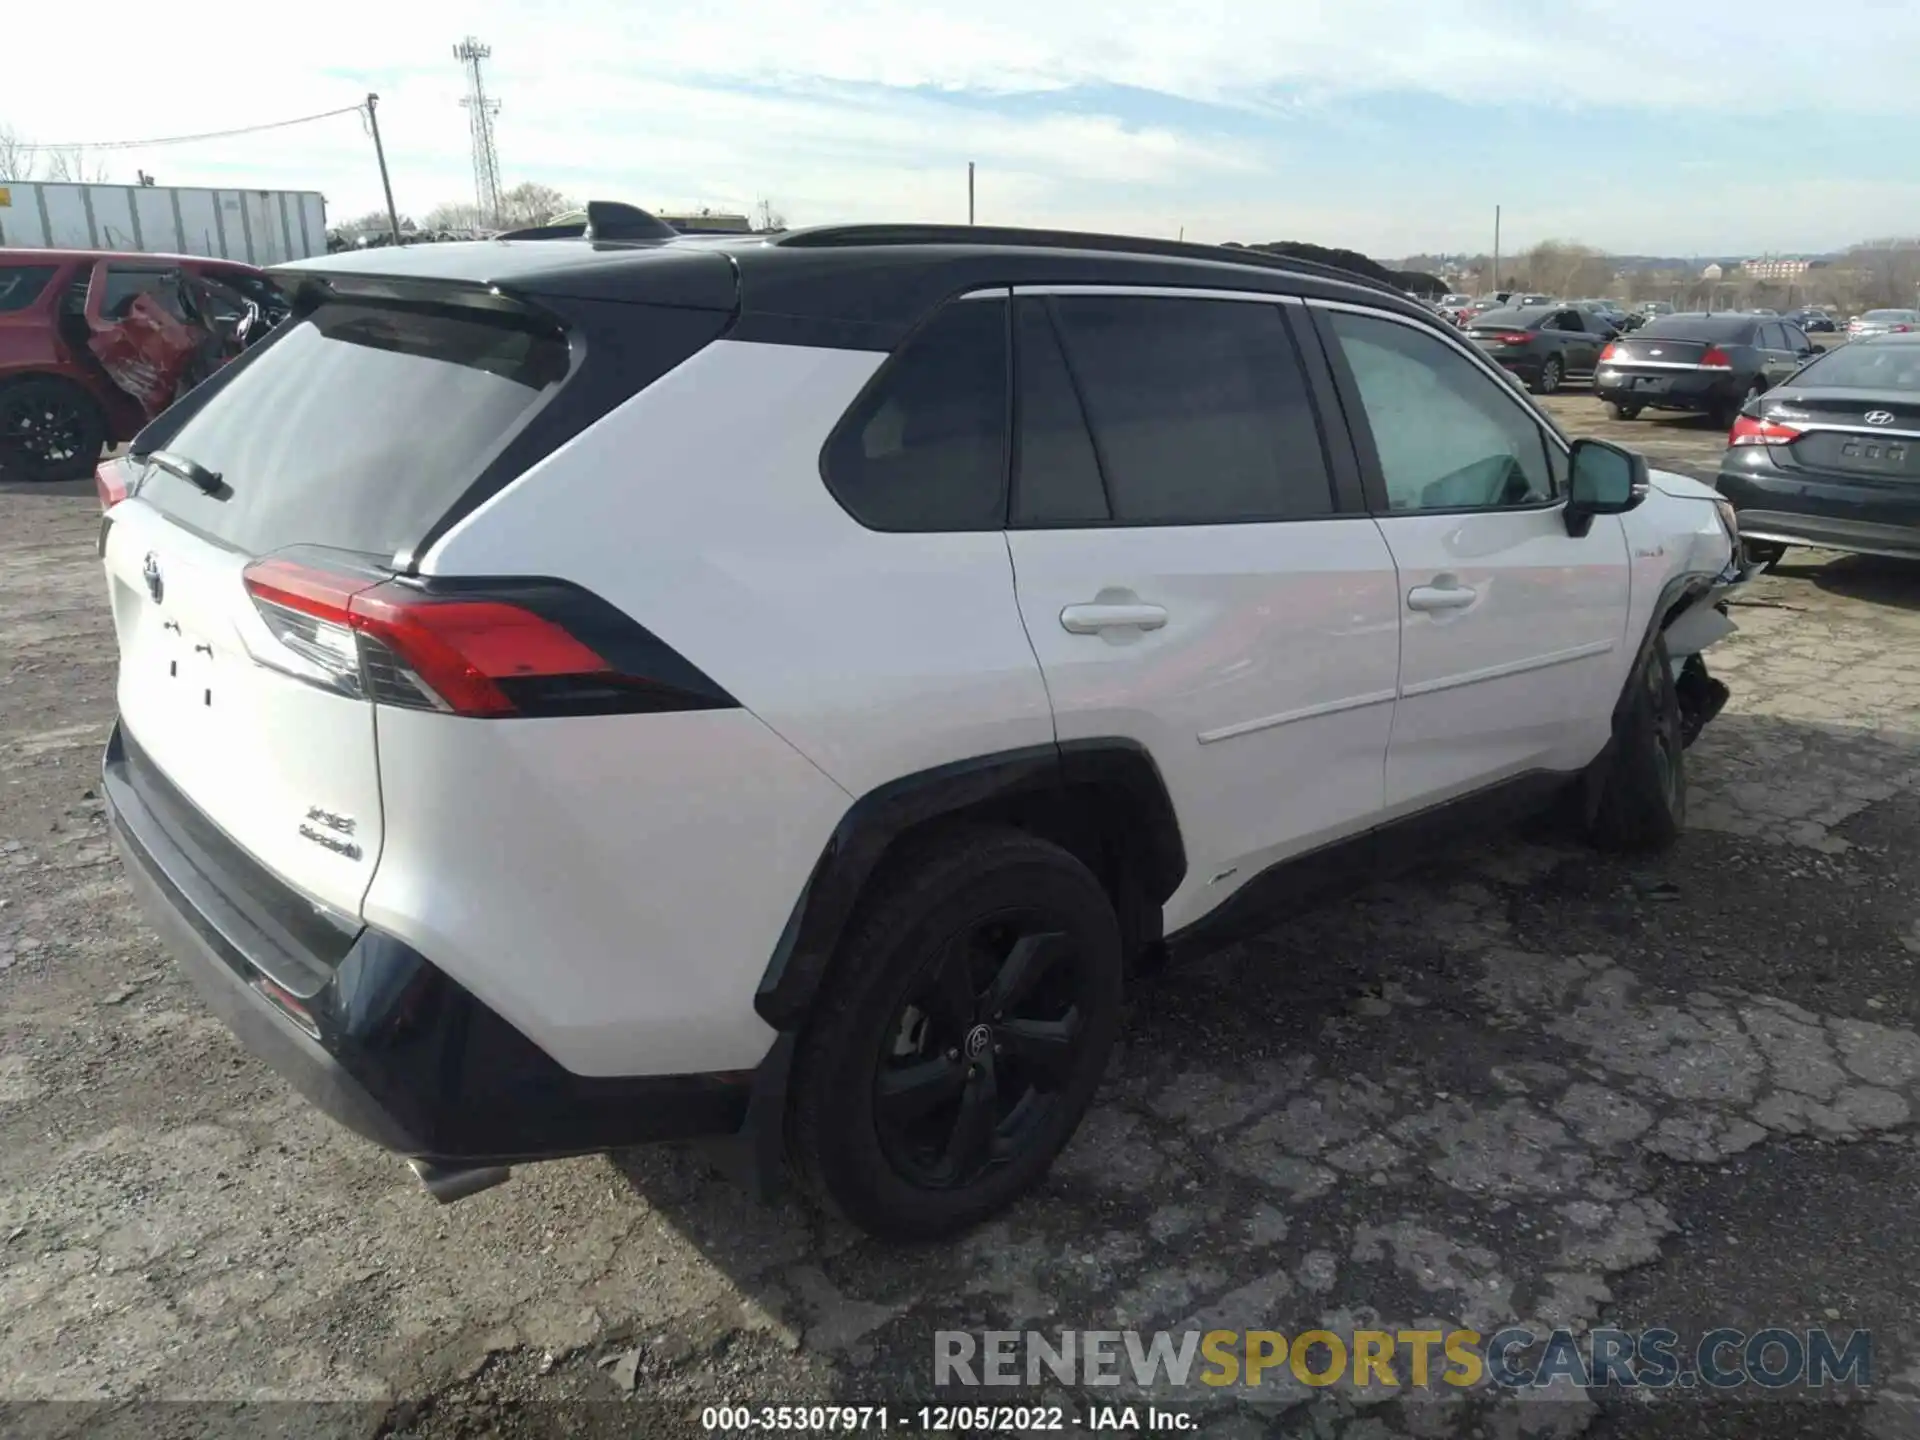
(1727, 414)
(1643, 778)
(1763, 554)
(1622, 412)
(50, 429)
(1551, 373)
(905, 1117)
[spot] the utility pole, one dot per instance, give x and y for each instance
(1496, 248)
(380, 152)
(970, 192)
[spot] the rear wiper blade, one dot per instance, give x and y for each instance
(191, 471)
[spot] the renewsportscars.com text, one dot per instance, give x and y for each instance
(1513, 1359)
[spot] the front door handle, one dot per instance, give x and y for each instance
(1092, 619)
(1441, 597)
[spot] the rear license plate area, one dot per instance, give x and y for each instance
(1877, 457)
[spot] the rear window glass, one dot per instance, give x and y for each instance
(1698, 327)
(925, 447)
(1894, 315)
(1526, 319)
(1865, 366)
(359, 426)
(20, 285)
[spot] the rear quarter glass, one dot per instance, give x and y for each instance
(367, 422)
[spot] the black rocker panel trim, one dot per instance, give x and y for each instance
(1116, 778)
(1400, 845)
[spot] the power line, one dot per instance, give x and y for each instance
(207, 135)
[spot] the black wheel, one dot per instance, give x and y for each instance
(1550, 376)
(49, 430)
(1726, 415)
(1643, 779)
(960, 1036)
(1763, 554)
(1622, 412)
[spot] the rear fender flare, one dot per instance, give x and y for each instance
(1126, 800)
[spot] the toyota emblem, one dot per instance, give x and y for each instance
(978, 1039)
(150, 571)
(1879, 417)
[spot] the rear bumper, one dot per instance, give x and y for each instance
(1526, 366)
(1683, 390)
(381, 1040)
(1815, 508)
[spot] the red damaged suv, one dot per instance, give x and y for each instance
(93, 344)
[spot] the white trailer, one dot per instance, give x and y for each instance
(261, 227)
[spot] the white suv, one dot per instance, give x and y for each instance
(580, 691)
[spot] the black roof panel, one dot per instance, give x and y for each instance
(860, 286)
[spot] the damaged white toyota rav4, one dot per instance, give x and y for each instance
(614, 686)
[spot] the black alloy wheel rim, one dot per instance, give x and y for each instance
(976, 1059)
(47, 430)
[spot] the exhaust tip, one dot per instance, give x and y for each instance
(448, 1183)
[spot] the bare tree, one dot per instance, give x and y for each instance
(72, 166)
(531, 203)
(16, 156)
(1563, 267)
(766, 217)
(453, 215)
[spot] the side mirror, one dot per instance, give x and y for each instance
(1605, 480)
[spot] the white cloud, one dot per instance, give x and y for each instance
(834, 108)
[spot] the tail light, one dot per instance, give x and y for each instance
(1749, 431)
(484, 649)
(1716, 359)
(110, 481)
(1900, 329)
(1610, 352)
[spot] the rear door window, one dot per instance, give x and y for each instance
(1056, 475)
(1199, 409)
(359, 425)
(925, 447)
(20, 285)
(120, 286)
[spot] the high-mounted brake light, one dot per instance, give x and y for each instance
(483, 652)
(1716, 359)
(1749, 431)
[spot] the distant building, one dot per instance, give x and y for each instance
(1776, 269)
(708, 222)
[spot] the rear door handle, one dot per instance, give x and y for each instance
(1092, 619)
(1441, 597)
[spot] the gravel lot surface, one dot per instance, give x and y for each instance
(1531, 1084)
